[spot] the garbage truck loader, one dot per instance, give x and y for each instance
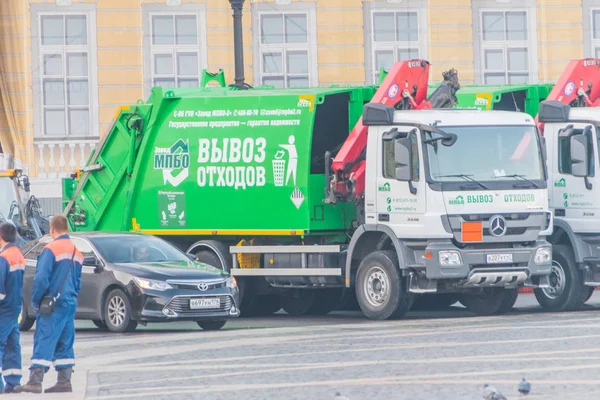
(429, 201)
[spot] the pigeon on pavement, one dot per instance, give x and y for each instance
(490, 393)
(524, 387)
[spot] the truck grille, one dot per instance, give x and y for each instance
(181, 305)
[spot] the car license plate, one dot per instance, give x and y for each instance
(499, 258)
(204, 303)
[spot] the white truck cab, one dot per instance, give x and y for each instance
(463, 196)
(573, 141)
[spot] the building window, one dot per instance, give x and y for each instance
(395, 38)
(596, 33)
(284, 49)
(505, 46)
(175, 50)
(65, 75)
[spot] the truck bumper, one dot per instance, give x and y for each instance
(504, 267)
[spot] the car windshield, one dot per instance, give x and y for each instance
(486, 153)
(136, 249)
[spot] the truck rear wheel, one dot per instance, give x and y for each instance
(567, 291)
(493, 301)
(326, 300)
(380, 288)
(297, 302)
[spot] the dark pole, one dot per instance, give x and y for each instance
(238, 43)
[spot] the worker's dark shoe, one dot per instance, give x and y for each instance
(10, 389)
(34, 385)
(63, 383)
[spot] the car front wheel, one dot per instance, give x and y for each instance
(211, 325)
(117, 312)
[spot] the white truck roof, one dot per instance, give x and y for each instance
(449, 117)
(585, 113)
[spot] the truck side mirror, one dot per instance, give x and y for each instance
(544, 148)
(579, 156)
(403, 155)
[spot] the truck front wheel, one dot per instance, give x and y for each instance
(567, 291)
(492, 301)
(380, 288)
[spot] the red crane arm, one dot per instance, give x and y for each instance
(578, 85)
(406, 82)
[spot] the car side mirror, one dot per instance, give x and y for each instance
(192, 257)
(90, 261)
(579, 156)
(403, 158)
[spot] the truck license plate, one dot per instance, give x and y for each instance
(204, 303)
(499, 258)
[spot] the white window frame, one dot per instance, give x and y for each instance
(594, 42)
(38, 53)
(150, 50)
(530, 44)
(396, 44)
(369, 9)
(284, 48)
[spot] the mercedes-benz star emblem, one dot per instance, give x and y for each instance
(497, 226)
(203, 286)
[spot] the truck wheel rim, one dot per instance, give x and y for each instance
(116, 311)
(377, 286)
(557, 281)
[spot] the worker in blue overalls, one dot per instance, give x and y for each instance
(12, 269)
(58, 270)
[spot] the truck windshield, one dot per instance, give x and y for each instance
(486, 153)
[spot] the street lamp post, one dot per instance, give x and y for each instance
(238, 43)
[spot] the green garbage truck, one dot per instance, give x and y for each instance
(306, 194)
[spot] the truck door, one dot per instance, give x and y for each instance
(575, 197)
(400, 181)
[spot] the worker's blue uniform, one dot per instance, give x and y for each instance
(12, 269)
(55, 333)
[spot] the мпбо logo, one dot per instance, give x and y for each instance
(176, 157)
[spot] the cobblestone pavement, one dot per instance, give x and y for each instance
(442, 355)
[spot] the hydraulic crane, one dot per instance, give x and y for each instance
(404, 88)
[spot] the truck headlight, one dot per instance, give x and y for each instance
(450, 258)
(231, 283)
(543, 255)
(152, 284)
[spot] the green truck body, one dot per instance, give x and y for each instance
(192, 162)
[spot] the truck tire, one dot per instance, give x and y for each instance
(567, 291)
(508, 302)
(265, 305)
(326, 300)
(210, 258)
(381, 288)
(434, 302)
(297, 302)
(493, 301)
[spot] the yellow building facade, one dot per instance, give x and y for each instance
(67, 65)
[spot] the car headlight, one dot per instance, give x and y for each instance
(543, 255)
(231, 283)
(152, 284)
(449, 258)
